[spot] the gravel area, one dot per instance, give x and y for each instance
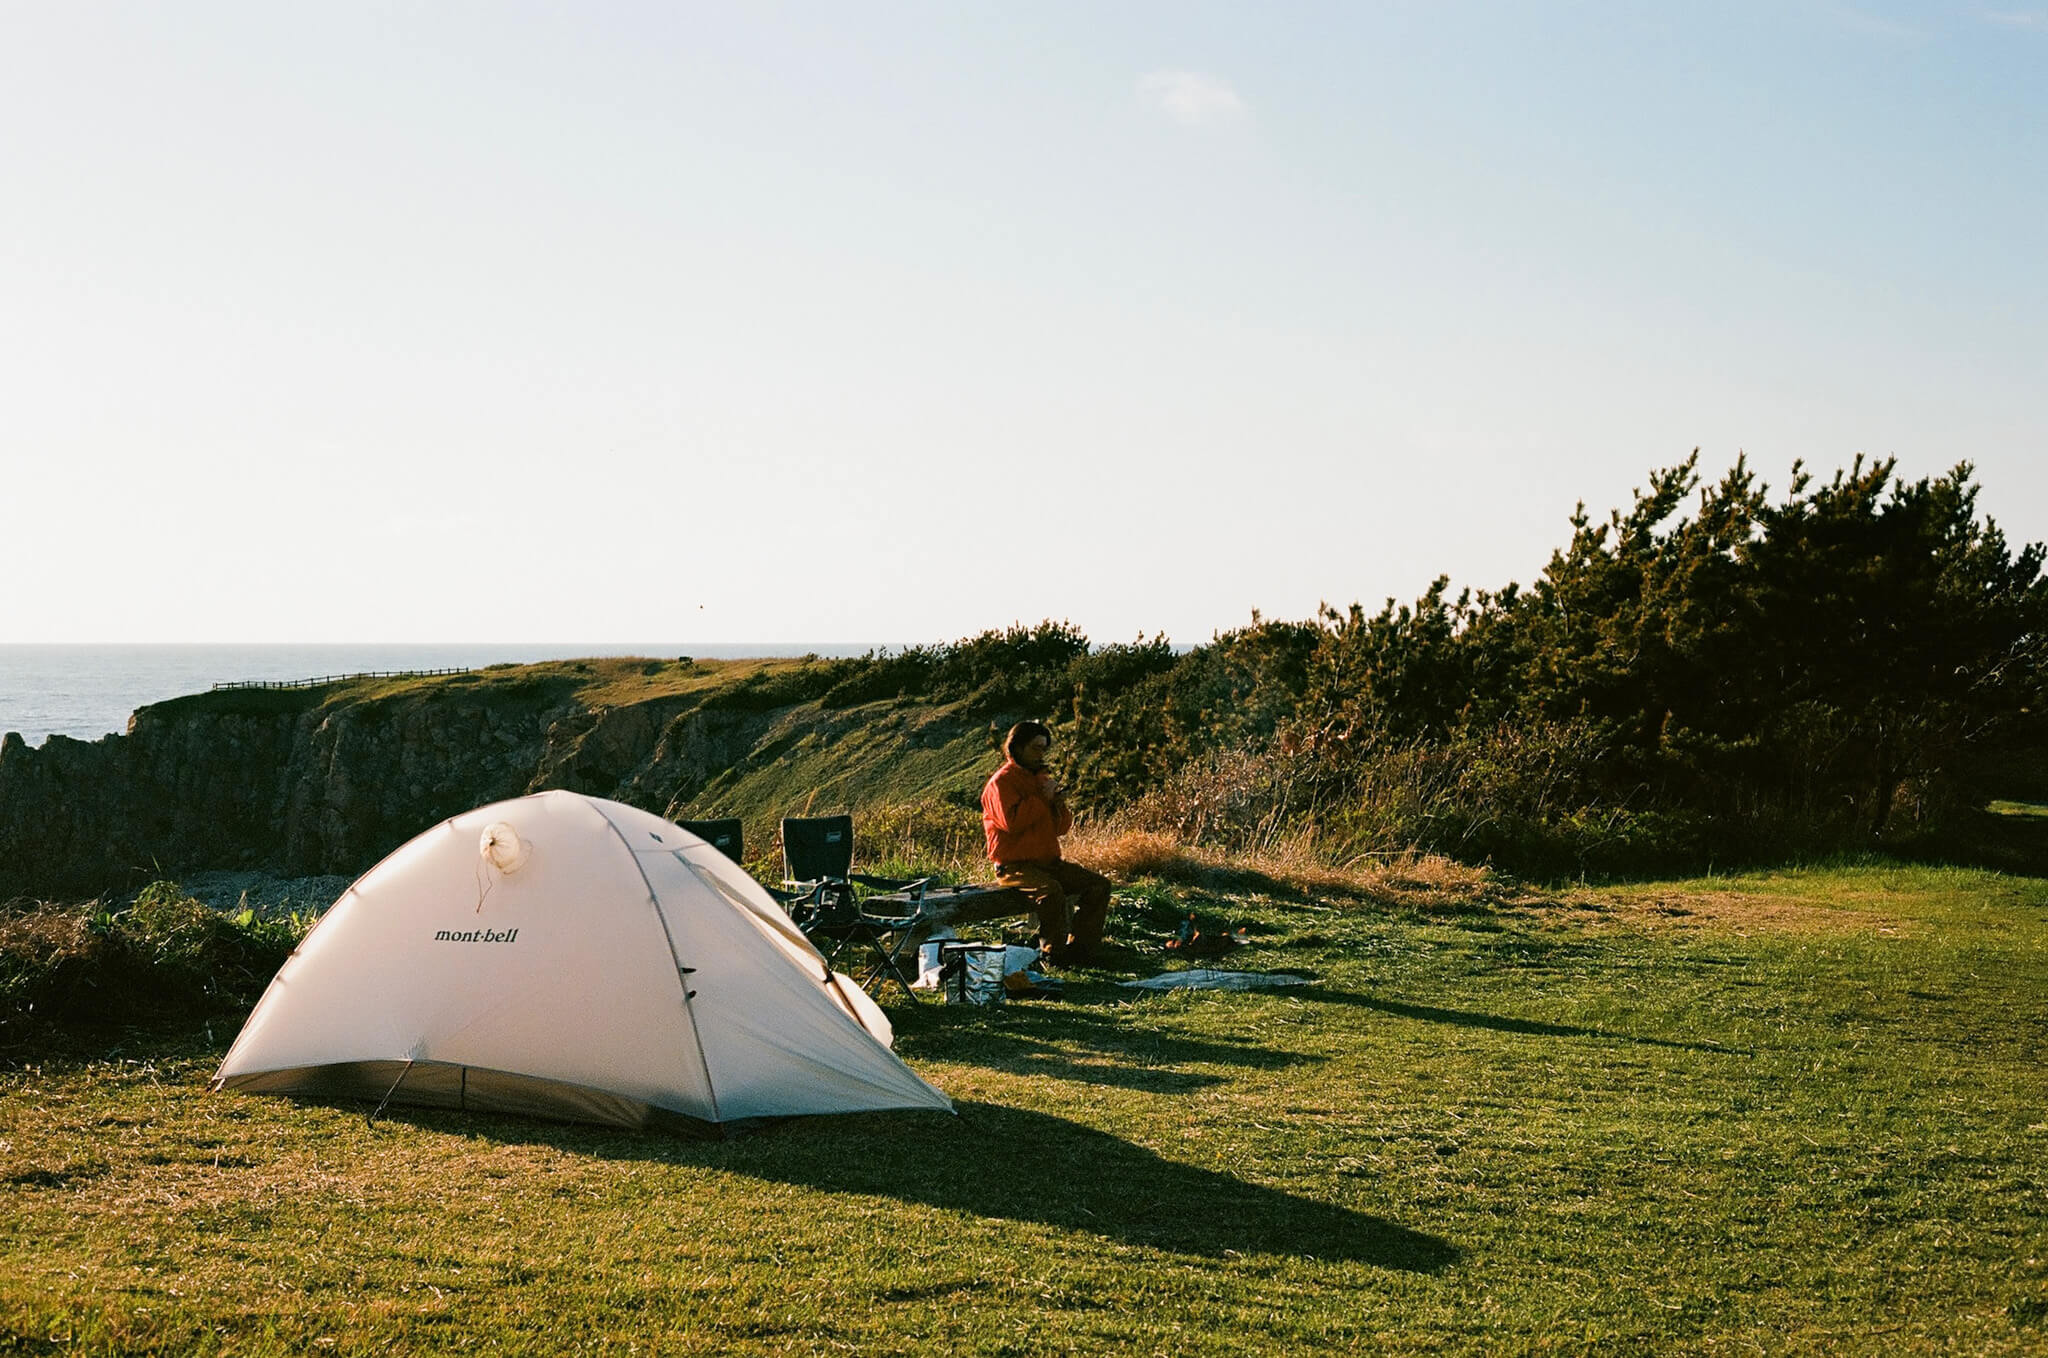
(233, 890)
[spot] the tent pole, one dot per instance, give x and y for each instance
(654, 903)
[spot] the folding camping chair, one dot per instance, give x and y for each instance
(819, 881)
(722, 835)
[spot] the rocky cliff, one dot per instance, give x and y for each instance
(329, 779)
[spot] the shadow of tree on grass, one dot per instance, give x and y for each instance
(1085, 1042)
(1499, 1023)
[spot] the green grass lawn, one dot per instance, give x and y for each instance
(1801, 1112)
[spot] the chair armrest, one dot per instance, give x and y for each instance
(900, 908)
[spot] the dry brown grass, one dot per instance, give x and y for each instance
(1426, 882)
(50, 957)
(40, 933)
(1432, 884)
(1124, 855)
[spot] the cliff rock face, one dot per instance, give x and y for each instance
(326, 790)
(302, 782)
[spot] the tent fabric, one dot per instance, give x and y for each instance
(567, 956)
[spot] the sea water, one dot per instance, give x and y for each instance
(89, 691)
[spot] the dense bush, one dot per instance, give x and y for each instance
(1852, 665)
(767, 689)
(1520, 796)
(166, 954)
(1135, 726)
(1860, 662)
(1018, 668)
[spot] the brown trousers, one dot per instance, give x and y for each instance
(1071, 902)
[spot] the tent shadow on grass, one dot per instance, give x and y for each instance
(1015, 1165)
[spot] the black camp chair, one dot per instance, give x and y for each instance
(726, 836)
(818, 890)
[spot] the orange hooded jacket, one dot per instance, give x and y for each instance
(1022, 823)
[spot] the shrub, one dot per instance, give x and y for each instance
(1525, 798)
(767, 689)
(165, 954)
(1140, 715)
(1017, 669)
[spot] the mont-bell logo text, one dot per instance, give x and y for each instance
(475, 935)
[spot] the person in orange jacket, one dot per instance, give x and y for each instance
(1024, 811)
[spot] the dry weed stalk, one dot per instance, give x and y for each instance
(1407, 880)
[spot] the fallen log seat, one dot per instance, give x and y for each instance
(952, 906)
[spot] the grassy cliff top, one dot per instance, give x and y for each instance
(597, 682)
(760, 739)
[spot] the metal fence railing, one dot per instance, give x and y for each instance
(342, 678)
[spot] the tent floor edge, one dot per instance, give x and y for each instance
(454, 1087)
(457, 1088)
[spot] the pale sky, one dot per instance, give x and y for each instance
(888, 322)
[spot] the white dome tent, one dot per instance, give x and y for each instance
(569, 957)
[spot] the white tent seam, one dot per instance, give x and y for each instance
(654, 902)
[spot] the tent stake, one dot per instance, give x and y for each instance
(371, 1120)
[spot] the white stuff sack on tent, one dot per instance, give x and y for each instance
(625, 968)
(502, 847)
